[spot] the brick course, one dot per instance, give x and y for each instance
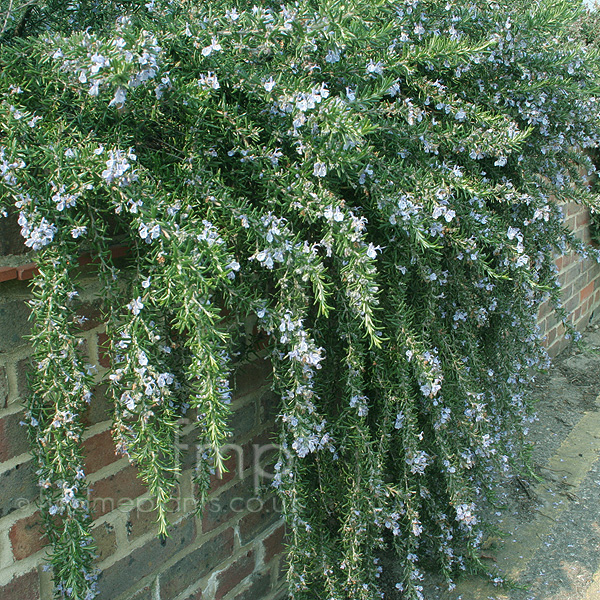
(13, 437)
(18, 488)
(27, 536)
(273, 544)
(197, 564)
(144, 561)
(105, 540)
(579, 292)
(4, 390)
(259, 587)
(235, 574)
(99, 452)
(112, 492)
(25, 587)
(256, 522)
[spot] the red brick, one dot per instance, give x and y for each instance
(103, 350)
(282, 570)
(570, 274)
(3, 387)
(583, 218)
(227, 505)
(559, 262)
(254, 523)
(92, 314)
(28, 271)
(188, 445)
(264, 458)
(584, 306)
(110, 493)
(234, 463)
(258, 588)
(99, 451)
(7, 273)
(119, 251)
(587, 291)
(27, 536)
(197, 564)
(580, 281)
(15, 324)
(571, 304)
(105, 540)
(126, 574)
(142, 519)
(590, 275)
(13, 437)
(238, 457)
(244, 419)
(273, 544)
(18, 488)
(25, 587)
(234, 574)
(283, 594)
(11, 240)
(252, 376)
(545, 309)
(23, 367)
(269, 404)
(100, 407)
(551, 321)
(567, 291)
(253, 449)
(567, 260)
(115, 252)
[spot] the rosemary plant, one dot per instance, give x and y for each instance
(379, 182)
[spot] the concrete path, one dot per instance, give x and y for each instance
(550, 546)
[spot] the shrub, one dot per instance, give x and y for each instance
(587, 28)
(378, 182)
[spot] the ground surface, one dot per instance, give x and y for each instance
(550, 546)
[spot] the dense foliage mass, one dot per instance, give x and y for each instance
(377, 182)
(587, 28)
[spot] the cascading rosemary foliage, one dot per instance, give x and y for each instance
(378, 181)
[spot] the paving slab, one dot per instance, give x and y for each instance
(549, 548)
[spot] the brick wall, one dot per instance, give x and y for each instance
(233, 550)
(580, 285)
